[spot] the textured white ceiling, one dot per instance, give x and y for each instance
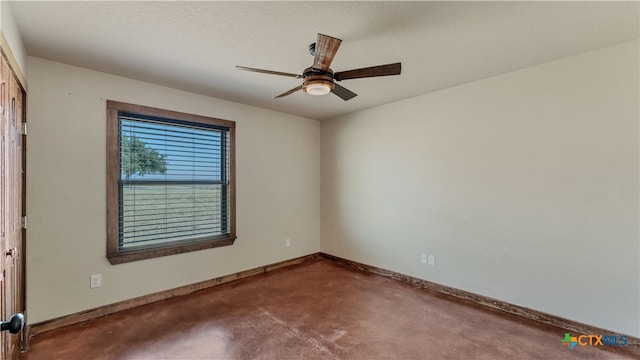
(195, 45)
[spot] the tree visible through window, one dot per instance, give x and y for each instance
(172, 189)
(137, 158)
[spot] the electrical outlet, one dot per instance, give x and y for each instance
(432, 260)
(96, 280)
(287, 242)
(423, 258)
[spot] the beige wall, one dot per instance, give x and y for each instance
(524, 186)
(278, 191)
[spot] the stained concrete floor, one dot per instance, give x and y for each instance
(317, 310)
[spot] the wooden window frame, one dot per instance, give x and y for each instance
(114, 254)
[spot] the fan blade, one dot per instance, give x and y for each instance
(299, 87)
(344, 93)
(326, 48)
(268, 72)
(373, 71)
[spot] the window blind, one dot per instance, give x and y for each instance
(174, 181)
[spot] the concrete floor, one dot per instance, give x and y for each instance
(317, 310)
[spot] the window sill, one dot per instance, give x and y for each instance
(136, 255)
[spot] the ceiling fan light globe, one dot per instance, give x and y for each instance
(317, 88)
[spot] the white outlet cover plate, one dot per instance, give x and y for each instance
(96, 280)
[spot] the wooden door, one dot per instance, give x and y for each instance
(11, 244)
(4, 93)
(5, 84)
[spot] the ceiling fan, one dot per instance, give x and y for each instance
(319, 79)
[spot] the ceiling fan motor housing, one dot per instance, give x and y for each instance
(314, 78)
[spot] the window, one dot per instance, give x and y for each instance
(170, 182)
